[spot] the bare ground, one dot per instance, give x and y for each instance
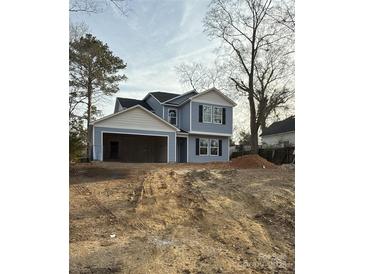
(180, 219)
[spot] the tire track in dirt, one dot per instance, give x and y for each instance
(92, 199)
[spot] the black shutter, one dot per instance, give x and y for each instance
(224, 116)
(220, 147)
(200, 113)
(197, 146)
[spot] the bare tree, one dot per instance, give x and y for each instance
(77, 30)
(259, 48)
(95, 6)
(284, 13)
(201, 77)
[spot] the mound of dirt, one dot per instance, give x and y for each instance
(251, 161)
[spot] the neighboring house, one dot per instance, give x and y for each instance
(279, 134)
(166, 127)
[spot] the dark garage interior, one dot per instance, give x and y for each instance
(130, 148)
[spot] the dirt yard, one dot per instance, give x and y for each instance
(158, 218)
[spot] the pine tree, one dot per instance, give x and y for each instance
(94, 74)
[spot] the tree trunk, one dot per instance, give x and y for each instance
(254, 142)
(253, 126)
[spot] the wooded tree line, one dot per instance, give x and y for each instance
(256, 60)
(94, 73)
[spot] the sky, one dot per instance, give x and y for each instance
(154, 37)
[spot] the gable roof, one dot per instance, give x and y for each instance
(129, 102)
(131, 108)
(164, 96)
(213, 89)
(182, 97)
(283, 126)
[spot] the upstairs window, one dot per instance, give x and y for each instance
(217, 115)
(207, 114)
(172, 116)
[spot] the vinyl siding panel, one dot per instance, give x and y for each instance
(135, 119)
(166, 115)
(211, 127)
(184, 117)
(212, 98)
(193, 158)
(157, 107)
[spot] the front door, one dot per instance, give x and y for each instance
(181, 149)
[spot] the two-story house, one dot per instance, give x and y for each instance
(166, 127)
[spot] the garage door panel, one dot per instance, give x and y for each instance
(135, 148)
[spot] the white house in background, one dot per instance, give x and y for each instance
(279, 134)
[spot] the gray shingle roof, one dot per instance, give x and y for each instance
(128, 102)
(164, 96)
(280, 127)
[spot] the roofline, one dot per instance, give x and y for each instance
(290, 131)
(216, 90)
(136, 106)
(209, 133)
(150, 93)
(180, 95)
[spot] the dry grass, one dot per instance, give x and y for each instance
(180, 219)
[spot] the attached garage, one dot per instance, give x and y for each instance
(134, 135)
(131, 148)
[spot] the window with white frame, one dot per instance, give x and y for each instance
(217, 115)
(214, 147)
(172, 116)
(207, 114)
(203, 146)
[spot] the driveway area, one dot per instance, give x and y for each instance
(181, 218)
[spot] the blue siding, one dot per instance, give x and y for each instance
(184, 117)
(210, 127)
(166, 114)
(98, 141)
(193, 158)
(157, 107)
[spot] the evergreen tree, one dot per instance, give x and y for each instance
(94, 74)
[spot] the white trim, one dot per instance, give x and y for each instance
(174, 147)
(221, 123)
(190, 114)
(280, 133)
(144, 134)
(187, 149)
(217, 91)
(211, 114)
(227, 149)
(168, 115)
(209, 133)
(163, 112)
(207, 147)
(128, 109)
(93, 146)
(180, 95)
